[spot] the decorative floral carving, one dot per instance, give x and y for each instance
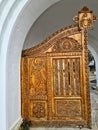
(39, 110)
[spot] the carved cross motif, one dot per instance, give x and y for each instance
(85, 18)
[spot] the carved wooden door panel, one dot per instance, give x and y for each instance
(38, 95)
(34, 89)
(55, 85)
(65, 88)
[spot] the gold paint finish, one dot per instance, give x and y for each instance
(85, 18)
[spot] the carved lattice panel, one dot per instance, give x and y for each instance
(66, 77)
(66, 87)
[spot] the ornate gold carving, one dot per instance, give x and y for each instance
(39, 110)
(77, 77)
(58, 123)
(88, 104)
(25, 92)
(49, 88)
(68, 108)
(50, 41)
(55, 77)
(85, 22)
(38, 78)
(64, 54)
(66, 44)
(66, 77)
(85, 18)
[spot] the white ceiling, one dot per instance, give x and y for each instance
(58, 16)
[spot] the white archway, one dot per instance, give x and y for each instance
(16, 21)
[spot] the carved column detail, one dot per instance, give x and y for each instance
(87, 80)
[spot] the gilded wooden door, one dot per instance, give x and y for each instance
(55, 85)
(66, 88)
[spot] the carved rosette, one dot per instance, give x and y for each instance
(39, 110)
(66, 45)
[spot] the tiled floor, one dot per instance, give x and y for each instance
(94, 106)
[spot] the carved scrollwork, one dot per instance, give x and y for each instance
(66, 44)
